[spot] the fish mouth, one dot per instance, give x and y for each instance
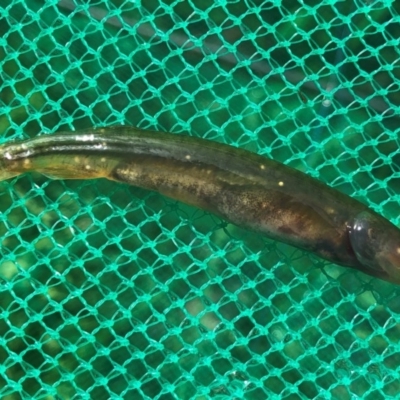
(390, 264)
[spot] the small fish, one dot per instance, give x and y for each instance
(241, 187)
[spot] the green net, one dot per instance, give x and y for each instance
(110, 291)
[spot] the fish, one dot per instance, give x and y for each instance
(239, 186)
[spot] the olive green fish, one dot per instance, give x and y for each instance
(241, 187)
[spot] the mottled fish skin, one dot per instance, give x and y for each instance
(242, 187)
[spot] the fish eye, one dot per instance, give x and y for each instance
(371, 233)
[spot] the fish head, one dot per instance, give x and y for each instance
(376, 244)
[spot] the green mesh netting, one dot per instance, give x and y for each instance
(110, 291)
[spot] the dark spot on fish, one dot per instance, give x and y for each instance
(286, 230)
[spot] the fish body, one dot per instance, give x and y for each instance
(241, 187)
